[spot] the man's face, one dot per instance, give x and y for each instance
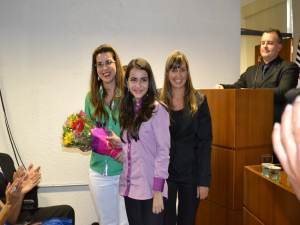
(269, 47)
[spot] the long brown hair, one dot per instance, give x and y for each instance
(96, 84)
(175, 60)
(130, 121)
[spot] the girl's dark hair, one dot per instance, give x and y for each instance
(96, 84)
(130, 121)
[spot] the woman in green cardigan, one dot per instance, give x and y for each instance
(102, 101)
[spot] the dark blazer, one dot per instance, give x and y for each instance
(191, 148)
(8, 168)
(281, 77)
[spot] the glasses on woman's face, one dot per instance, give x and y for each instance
(107, 63)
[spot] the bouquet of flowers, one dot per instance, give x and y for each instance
(77, 131)
(80, 131)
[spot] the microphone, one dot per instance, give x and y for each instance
(259, 61)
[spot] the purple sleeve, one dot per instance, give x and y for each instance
(158, 184)
(160, 124)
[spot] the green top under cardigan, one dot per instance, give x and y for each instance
(98, 162)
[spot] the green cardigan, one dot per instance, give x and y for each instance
(98, 162)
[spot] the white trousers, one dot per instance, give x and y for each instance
(110, 206)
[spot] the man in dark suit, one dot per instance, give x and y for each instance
(34, 214)
(273, 73)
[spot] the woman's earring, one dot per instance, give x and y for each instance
(127, 88)
(99, 78)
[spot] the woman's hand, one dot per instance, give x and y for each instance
(13, 192)
(29, 183)
(116, 140)
(31, 172)
(202, 192)
(19, 173)
(158, 203)
(218, 86)
(119, 158)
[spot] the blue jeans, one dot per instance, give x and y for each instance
(139, 212)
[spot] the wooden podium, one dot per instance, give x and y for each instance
(242, 122)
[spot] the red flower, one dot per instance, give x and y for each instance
(78, 125)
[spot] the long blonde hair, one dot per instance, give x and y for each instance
(175, 60)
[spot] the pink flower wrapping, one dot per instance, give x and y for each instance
(101, 145)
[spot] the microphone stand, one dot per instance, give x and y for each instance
(259, 61)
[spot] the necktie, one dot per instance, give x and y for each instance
(265, 70)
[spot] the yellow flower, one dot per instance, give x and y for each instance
(70, 122)
(68, 138)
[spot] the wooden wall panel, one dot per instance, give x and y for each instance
(253, 117)
(227, 174)
(241, 117)
(221, 190)
(286, 51)
(256, 54)
(249, 219)
(269, 201)
(222, 113)
(245, 158)
(242, 121)
(212, 214)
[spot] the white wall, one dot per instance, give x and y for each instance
(45, 62)
(247, 2)
(243, 50)
(274, 16)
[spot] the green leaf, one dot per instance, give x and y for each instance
(65, 129)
